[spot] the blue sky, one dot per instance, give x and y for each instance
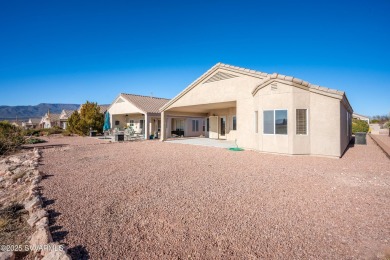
(73, 51)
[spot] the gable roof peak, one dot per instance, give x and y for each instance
(147, 104)
(142, 96)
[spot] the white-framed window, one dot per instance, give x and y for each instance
(131, 123)
(301, 122)
(275, 122)
(234, 123)
(195, 125)
(256, 122)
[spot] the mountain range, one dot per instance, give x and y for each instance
(37, 111)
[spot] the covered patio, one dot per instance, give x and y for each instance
(215, 121)
(139, 114)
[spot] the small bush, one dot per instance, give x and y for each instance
(54, 130)
(66, 133)
(32, 132)
(11, 138)
(10, 217)
(34, 141)
(359, 126)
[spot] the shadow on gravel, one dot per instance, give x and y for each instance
(53, 216)
(79, 252)
(46, 202)
(350, 145)
(47, 176)
(58, 236)
(55, 230)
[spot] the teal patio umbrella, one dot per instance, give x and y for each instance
(106, 125)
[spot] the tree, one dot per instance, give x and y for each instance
(91, 118)
(359, 126)
(11, 137)
(88, 119)
(74, 123)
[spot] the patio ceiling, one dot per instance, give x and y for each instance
(204, 108)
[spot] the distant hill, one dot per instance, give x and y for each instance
(25, 112)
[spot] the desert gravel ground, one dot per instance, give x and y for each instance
(154, 200)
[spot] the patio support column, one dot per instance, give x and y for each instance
(146, 126)
(163, 127)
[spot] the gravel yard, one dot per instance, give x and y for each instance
(155, 200)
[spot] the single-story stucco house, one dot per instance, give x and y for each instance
(31, 123)
(141, 113)
(265, 112)
(50, 120)
(64, 116)
(361, 117)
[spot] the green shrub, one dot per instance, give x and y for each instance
(359, 126)
(32, 132)
(66, 133)
(11, 138)
(54, 130)
(35, 141)
(74, 123)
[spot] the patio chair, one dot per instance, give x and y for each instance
(127, 133)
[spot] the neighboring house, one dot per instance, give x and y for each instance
(266, 112)
(103, 108)
(31, 123)
(141, 113)
(50, 120)
(16, 123)
(361, 117)
(64, 116)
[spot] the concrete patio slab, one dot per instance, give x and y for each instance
(204, 142)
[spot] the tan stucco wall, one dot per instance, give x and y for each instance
(279, 99)
(238, 88)
(324, 125)
(124, 107)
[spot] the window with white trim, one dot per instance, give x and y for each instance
(275, 122)
(131, 123)
(301, 122)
